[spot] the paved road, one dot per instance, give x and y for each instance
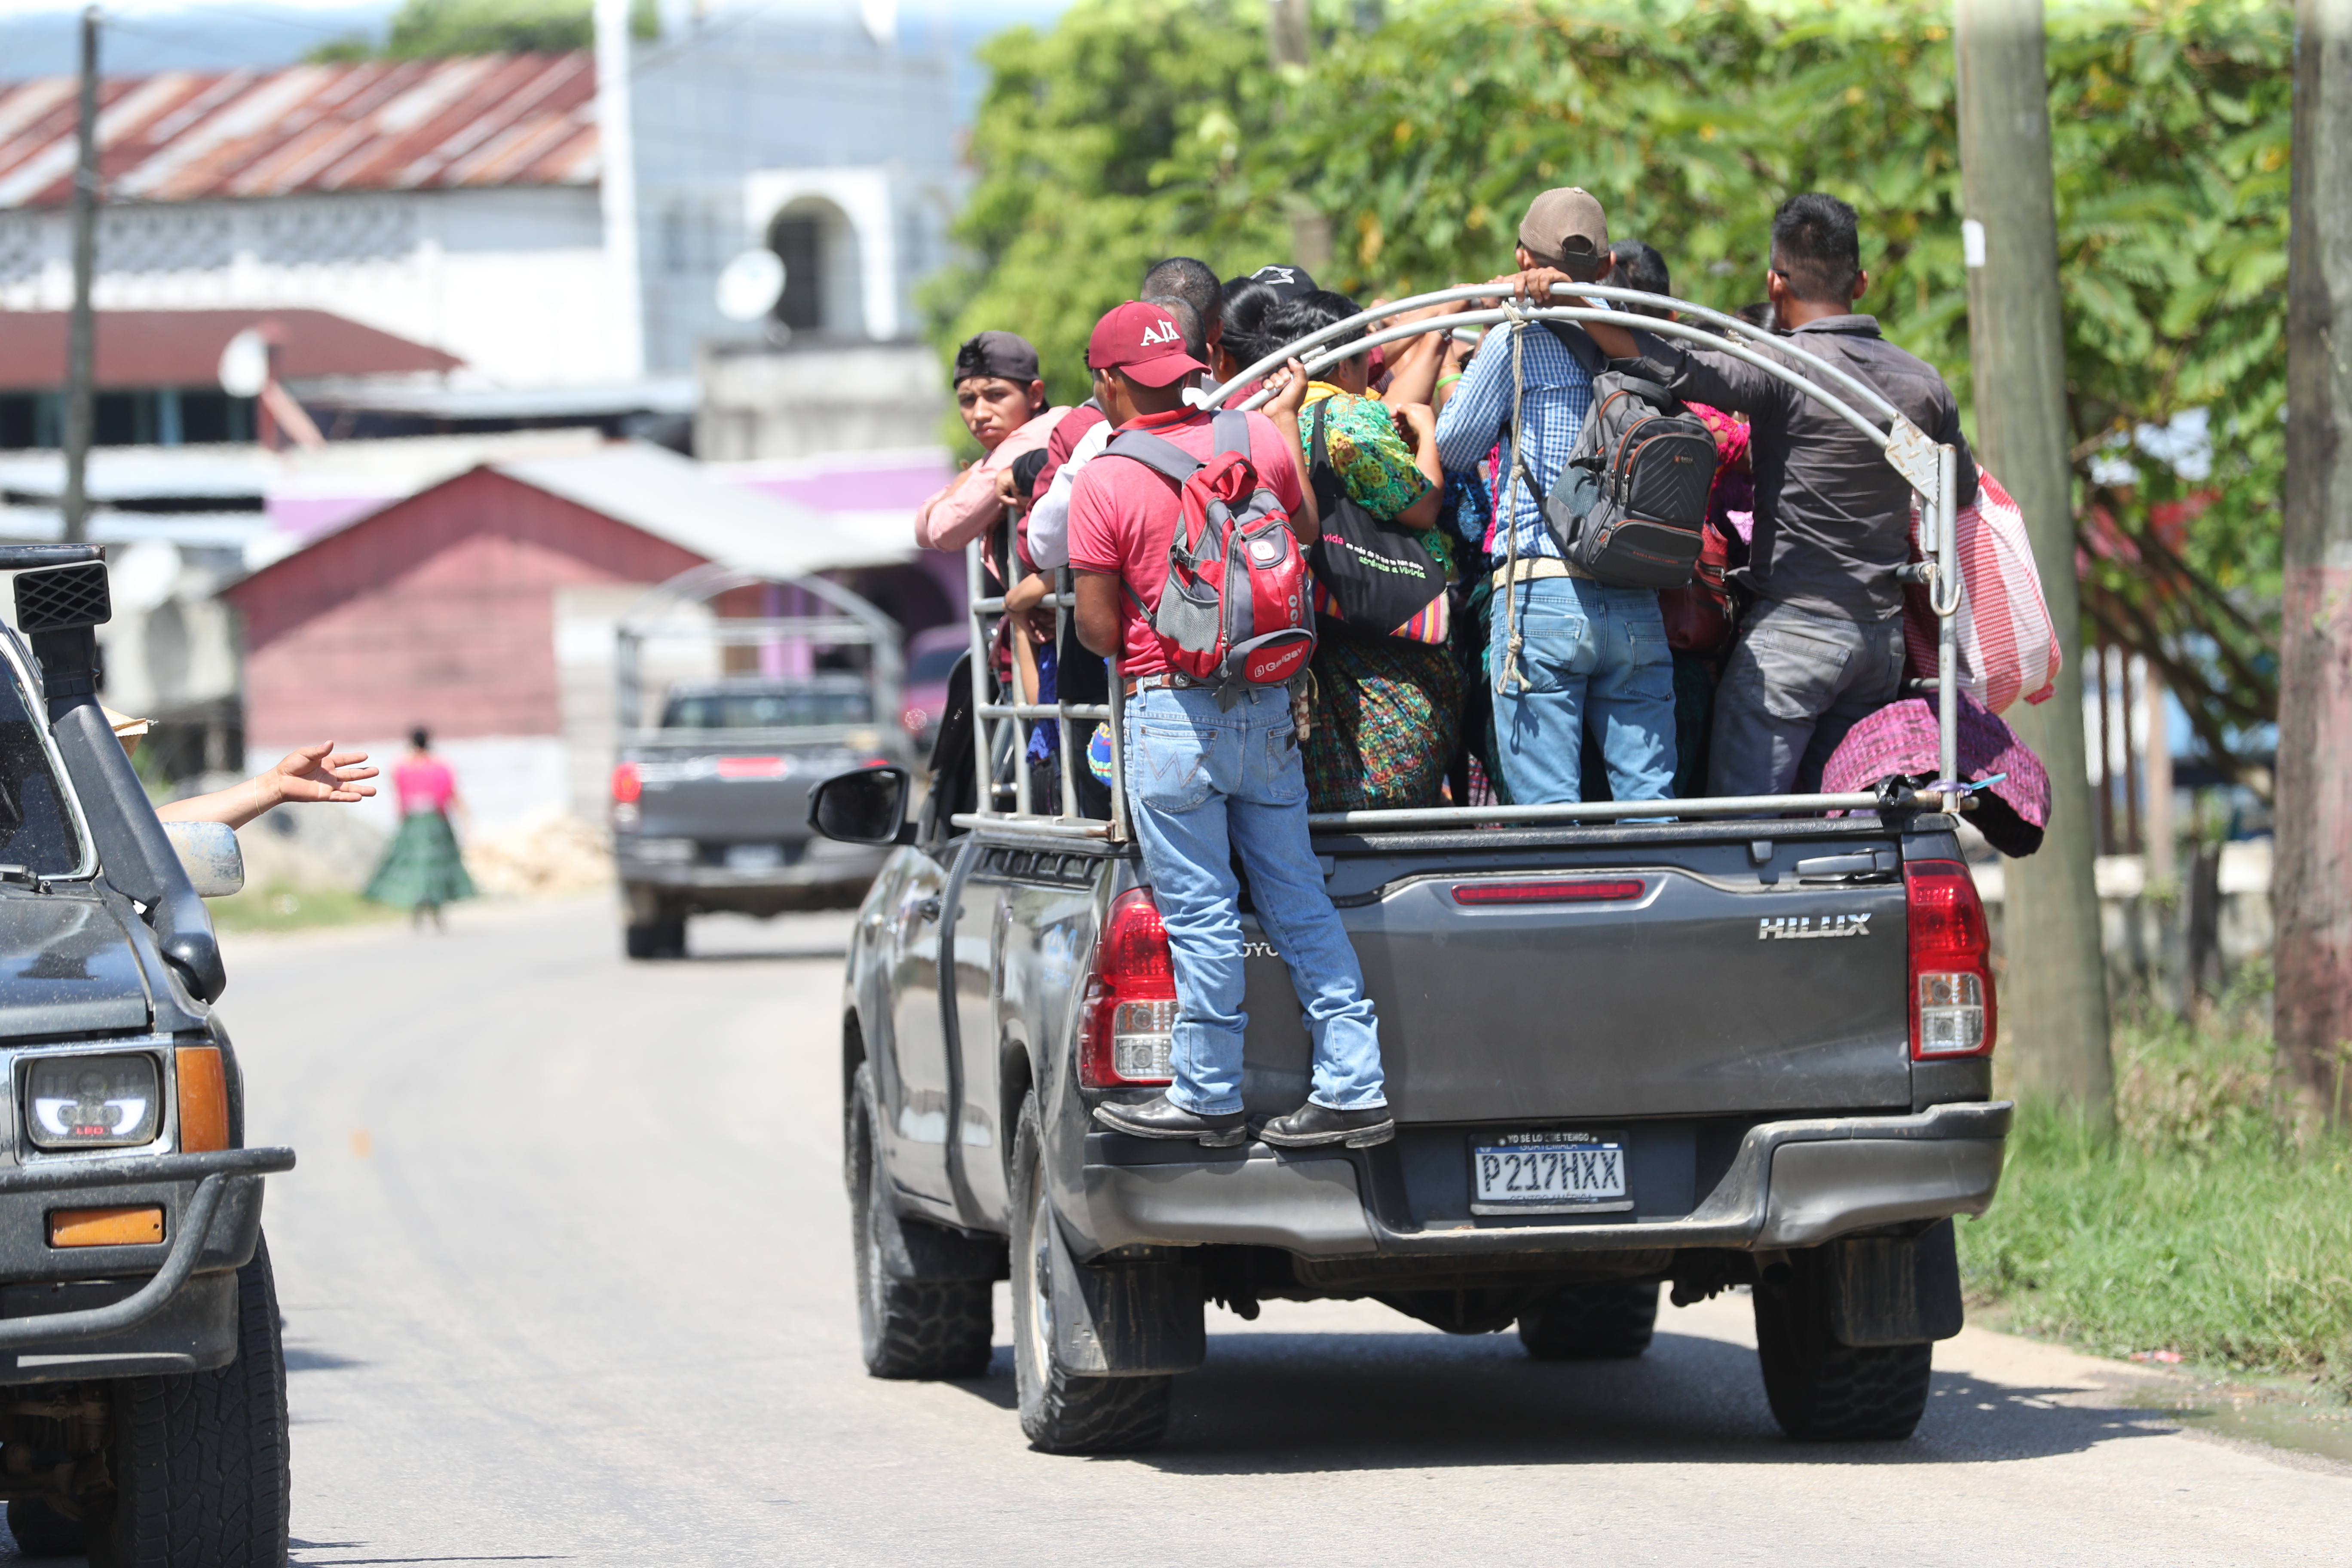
(565, 1271)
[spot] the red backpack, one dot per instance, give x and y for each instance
(1237, 608)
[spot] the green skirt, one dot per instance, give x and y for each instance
(422, 867)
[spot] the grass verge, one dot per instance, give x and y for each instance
(278, 908)
(2199, 1229)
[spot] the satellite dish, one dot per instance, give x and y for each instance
(244, 364)
(750, 286)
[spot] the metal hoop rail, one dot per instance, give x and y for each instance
(1930, 468)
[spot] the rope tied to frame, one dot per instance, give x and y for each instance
(1509, 671)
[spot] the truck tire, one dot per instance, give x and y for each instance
(656, 927)
(1593, 1323)
(1061, 1412)
(200, 1462)
(906, 1328)
(1824, 1391)
(42, 1532)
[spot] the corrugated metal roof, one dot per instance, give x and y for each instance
(488, 119)
(183, 348)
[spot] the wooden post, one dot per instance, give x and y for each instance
(81, 327)
(2160, 864)
(2102, 657)
(2054, 992)
(2313, 884)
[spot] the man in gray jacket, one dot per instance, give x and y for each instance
(1823, 648)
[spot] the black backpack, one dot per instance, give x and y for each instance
(1630, 506)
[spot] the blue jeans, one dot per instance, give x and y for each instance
(1205, 782)
(1796, 683)
(1586, 652)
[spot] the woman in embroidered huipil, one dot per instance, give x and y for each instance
(1388, 700)
(423, 870)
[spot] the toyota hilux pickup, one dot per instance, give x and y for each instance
(1748, 1047)
(139, 1328)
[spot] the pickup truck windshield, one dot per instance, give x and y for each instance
(774, 710)
(37, 826)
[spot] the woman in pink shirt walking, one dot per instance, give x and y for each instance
(422, 870)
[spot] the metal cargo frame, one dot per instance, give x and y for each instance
(1930, 468)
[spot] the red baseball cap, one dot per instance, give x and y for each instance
(1143, 340)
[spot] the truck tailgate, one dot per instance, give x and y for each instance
(1600, 983)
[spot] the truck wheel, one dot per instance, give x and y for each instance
(1593, 1323)
(908, 1328)
(656, 927)
(42, 1532)
(1824, 1391)
(1062, 1413)
(199, 1461)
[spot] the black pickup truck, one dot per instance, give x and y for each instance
(139, 1332)
(1749, 1048)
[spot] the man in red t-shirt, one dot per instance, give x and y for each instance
(1211, 771)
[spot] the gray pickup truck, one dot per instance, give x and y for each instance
(137, 1320)
(710, 788)
(1750, 1049)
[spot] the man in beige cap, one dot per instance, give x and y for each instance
(1563, 650)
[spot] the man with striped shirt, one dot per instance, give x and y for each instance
(1563, 651)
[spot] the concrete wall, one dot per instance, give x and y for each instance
(513, 281)
(744, 114)
(804, 401)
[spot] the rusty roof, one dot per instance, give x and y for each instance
(183, 348)
(485, 119)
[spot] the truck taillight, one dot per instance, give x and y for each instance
(626, 785)
(1128, 1026)
(1952, 1012)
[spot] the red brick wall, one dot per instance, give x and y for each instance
(439, 610)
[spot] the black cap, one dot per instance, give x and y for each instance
(1007, 355)
(1287, 282)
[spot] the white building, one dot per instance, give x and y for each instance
(468, 203)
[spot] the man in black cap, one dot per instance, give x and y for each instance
(1822, 647)
(1003, 400)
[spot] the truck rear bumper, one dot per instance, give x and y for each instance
(1792, 1183)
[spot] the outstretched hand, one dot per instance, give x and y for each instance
(321, 773)
(317, 772)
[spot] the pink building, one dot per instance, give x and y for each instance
(483, 609)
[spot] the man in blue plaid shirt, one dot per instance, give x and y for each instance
(1583, 653)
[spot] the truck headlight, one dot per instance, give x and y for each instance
(92, 1102)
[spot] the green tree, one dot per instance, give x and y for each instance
(435, 29)
(1114, 139)
(1693, 120)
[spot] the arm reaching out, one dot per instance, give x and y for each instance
(305, 774)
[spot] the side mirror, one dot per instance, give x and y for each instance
(868, 806)
(209, 853)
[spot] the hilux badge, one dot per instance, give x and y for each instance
(1808, 928)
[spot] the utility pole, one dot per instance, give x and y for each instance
(2312, 887)
(81, 330)
(2054, 989)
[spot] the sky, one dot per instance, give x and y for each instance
(41, 37)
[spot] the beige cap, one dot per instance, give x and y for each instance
(1565, 228)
